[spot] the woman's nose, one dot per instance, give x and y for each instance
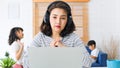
(58, 21)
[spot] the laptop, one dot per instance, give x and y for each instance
(46, 57)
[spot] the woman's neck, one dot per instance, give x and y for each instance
(56, 36)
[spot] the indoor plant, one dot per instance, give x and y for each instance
(111, 47)
(7, 62)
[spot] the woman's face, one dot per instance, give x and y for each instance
(58, 19)
(20, 34)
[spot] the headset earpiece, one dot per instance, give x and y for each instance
(46, 17)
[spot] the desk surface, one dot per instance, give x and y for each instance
(92, 67)
(99, 67)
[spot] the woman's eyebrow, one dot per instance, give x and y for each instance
(57, 15)
(64, 15)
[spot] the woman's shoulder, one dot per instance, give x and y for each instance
(73, 35)
(74, 39)
(40, 34)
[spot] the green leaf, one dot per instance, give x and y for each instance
(7, 62)
(7, 54)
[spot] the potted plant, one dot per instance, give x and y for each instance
(7, 62)
(111, 47)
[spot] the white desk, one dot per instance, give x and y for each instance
(99, 67)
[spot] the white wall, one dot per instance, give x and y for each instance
(104, 21)
(7, 21)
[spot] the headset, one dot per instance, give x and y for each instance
(47, 14)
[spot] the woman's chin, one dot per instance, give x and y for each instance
(58, 30)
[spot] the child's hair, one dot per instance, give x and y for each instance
(91, 42)
(12, 36)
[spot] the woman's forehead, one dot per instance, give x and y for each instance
(58, 11)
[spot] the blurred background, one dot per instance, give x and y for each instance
(94, 19)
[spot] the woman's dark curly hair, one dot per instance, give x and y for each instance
(45, 26)
(12, 36)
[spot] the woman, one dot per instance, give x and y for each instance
(57, 30)
(15, 36)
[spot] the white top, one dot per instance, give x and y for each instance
(24, 57)
(95, 53)
(71, 40)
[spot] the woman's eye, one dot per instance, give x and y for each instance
(63, 18)
(54, 17)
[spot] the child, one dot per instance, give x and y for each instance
(15, 36)
(95, 51)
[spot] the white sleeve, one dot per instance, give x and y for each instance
(13, 49)
(95, 52)
(15, 46)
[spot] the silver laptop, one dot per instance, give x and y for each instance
(43, 57)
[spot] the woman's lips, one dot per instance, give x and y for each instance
(58, 26)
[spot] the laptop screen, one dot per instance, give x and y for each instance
(43, 57)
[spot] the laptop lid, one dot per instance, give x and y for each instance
(43, 57)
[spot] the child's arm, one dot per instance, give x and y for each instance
(94, 53)
(94, 57)
(20, 51)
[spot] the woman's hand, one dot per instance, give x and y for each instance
(60, 44)
(52, 44)
(56, 43)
